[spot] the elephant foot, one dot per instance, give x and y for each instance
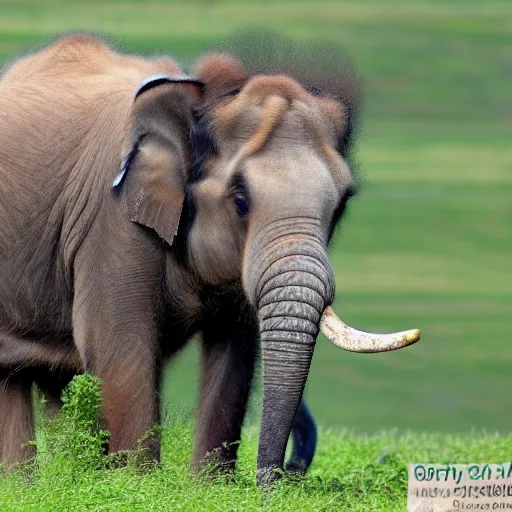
(138, 459)
(219, 462)
(267, 476)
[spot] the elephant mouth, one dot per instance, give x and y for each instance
(348, 338)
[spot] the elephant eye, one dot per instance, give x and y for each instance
(241, 205)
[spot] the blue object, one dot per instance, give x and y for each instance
(304, 436)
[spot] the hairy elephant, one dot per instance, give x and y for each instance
(73, 251)
(118, 245)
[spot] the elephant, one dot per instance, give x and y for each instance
(141, 206)
(37, 326)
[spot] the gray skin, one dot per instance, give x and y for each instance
(116, 280)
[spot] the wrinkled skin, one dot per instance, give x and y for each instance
(94, 278)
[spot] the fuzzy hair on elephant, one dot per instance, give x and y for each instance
(140, 206)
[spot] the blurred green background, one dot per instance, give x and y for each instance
(427, 242)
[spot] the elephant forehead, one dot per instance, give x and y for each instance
(300, 118)
(274, 123)
(298, 166)
(290, 127)
(292, 138)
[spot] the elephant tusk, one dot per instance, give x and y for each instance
(347, 338)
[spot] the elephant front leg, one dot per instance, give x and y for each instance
(127, 368)
(227, 368)
(121, 349)
(16, 422)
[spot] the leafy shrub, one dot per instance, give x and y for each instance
(73, 441)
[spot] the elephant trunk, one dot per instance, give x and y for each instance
(293, 285)
(289, 279)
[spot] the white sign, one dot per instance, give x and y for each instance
(459, 487)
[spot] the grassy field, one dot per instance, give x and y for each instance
(351, 473)
(426, 243)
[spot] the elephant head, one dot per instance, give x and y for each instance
(269, 183)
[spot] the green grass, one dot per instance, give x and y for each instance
(426, 244)
(351, 473)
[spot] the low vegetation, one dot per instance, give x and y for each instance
(350, 473)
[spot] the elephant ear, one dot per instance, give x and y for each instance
(153, 172)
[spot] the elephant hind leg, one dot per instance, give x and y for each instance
(16, 421)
